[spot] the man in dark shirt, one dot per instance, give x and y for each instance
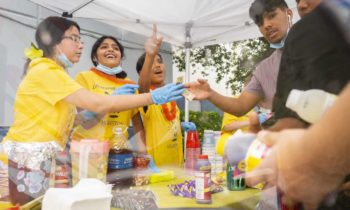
(316, 56)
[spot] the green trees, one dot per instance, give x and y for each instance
(234, 61)
(204, 121)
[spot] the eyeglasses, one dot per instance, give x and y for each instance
(74, 38)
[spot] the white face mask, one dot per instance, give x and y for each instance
(63, 59)
(280, 44)
(109, 71)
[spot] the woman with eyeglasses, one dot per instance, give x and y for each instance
(45, 107)
(107, 77)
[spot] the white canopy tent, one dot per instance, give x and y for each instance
(183, 23)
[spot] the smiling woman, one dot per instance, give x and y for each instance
(107, 77)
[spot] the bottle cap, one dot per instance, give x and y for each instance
(203, 157)
(293, 99)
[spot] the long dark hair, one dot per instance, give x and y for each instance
(98, 43)
(49, 33)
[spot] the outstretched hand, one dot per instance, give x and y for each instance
(167, 93)
(153, 43)
(200, 88)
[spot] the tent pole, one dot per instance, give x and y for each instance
(187, 79)
(188, 46)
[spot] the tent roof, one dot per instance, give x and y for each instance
(206, 21)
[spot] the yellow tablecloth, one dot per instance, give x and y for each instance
(245, 200)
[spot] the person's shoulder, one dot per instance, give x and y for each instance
(85, 73)
(44, 65)
(43, 62)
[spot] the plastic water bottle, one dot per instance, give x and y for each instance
(120, 162)
(311, 104)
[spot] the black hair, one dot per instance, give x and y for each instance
(259, 7)
(98, 43)
(49, 33)
(141, 61)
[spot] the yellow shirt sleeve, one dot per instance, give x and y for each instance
(51, 83)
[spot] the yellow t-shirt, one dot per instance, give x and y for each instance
(103, 130)
(163, 137)
(227, 119)
(40, 113)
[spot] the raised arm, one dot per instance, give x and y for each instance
(152, 47)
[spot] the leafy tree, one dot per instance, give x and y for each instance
(234, 61)
(204, 121)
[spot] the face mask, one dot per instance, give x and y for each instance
(278, 45)
(110, 71)
(62, 58)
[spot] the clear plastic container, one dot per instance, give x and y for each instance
(89, 159)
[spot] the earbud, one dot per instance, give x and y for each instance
(289, 20)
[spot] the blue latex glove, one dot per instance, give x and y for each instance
(153, 167)
(88, 115)
(263, 117)
(167, 93)
(128, 89)
(188, 126)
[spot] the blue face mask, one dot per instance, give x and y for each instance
(62, 58)
(110, 71)
(278, 45)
